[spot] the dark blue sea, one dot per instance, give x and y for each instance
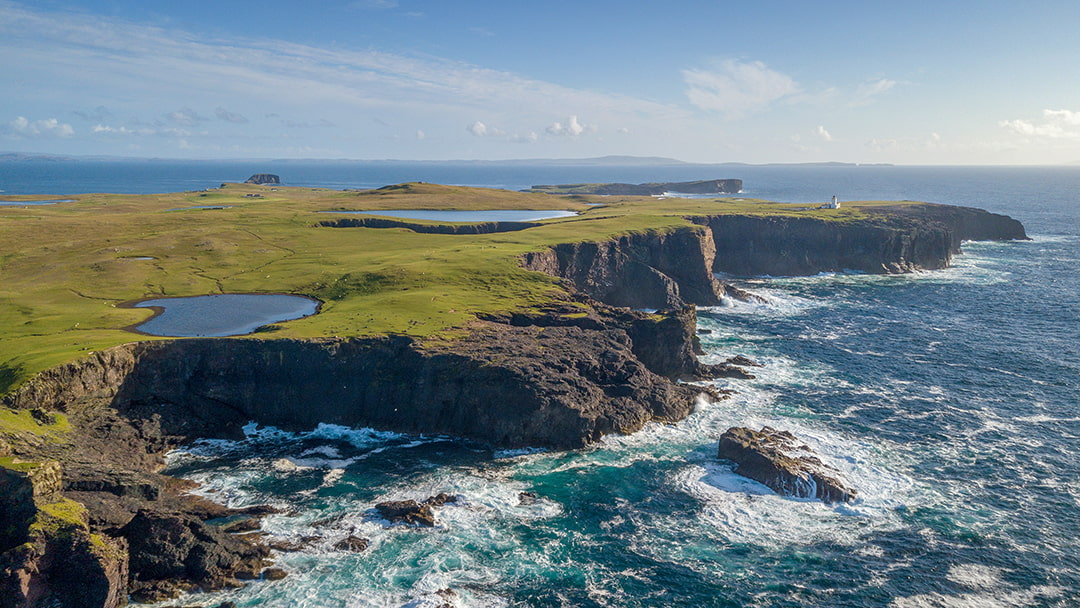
(949, 399)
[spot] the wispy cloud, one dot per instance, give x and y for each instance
(228, 116)
(735, 87)
(1056, 124)
(869, 91)
(822, 133)
(155, 65)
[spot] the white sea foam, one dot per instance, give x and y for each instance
(1000, 598)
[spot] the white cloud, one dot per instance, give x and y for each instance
(1056, 124)
(823, 133)
(480, 129)
(420, 135)
(735, 87)
(121, 130)
(49, 127)
(572, 127)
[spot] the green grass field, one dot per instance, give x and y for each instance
(66, 269)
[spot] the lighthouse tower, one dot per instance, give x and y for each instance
(835, 204)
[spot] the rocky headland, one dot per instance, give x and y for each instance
(561, 376)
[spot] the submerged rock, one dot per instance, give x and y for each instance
(773, 458)
(354, 544)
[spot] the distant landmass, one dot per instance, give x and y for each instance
(599, 161)
(707, 186)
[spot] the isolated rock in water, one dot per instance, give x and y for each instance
(352, 543)
(412, 512)
(776, 459)
(263, 178)
(406, 511)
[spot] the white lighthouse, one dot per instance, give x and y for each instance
(835, 204)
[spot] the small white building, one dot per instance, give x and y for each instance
(835, 204)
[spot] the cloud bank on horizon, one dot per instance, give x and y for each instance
(421, 80)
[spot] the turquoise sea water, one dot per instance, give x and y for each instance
(949, 399)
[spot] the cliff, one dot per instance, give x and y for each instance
(561, 375)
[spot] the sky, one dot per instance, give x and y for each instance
(914, 82)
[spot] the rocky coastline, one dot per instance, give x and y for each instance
(561, 377)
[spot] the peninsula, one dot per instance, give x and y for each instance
(536, 333)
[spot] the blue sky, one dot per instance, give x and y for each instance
(946, 82)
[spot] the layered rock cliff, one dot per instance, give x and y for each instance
(676, 268)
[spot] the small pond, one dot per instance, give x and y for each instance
(22, 203)
(222, 314)
(489, 215)
(197, 207)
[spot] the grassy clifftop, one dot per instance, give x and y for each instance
(65, 269)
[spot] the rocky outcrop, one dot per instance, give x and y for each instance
(171, 552)
(471, 228)
(795, 246)
(707, 186)
(964, 223)
(48, 555)
(777, 460)
(893, 239)
(263, 179)
(658, 270)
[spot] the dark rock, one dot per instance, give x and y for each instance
(742, 361)
(241, 525)
(352, 543)
(527, 498)
(407, 512)
(178, 548)
(291, 546)
(440, 499)
(263, 178)
(274, 574)
(772, 458)
(704, 332)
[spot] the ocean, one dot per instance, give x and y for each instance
(949, 399)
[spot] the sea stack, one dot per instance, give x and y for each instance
(775, 459)
(263, 178)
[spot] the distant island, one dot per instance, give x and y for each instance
(707, 186)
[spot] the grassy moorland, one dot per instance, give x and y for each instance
(67, 269)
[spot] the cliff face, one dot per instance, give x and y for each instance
(675, 269)
(660, 271)
(793, 246)
(560, 384)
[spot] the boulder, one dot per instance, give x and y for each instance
(777, 460)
